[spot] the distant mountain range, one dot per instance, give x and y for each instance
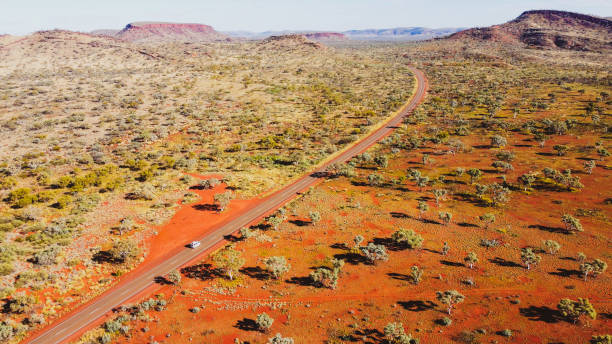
(392, 34)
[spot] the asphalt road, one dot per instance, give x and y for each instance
(98, 307)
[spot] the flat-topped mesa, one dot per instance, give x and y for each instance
(548, 29)
(168, 32)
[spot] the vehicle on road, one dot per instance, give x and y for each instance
(194, 244)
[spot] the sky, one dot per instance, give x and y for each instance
(20, 17)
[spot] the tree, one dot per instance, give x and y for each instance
(502, 166)
(381, 160)
(572, 224)
(277, 266)
(123, 249)
(450, 298)
(324, 277)
(407, 238)
(47, 256)
(264, 322)
(358, 240)
(395, 334)
(561, 149)
(445, 217)
(589, 165)
(445, 249)
(229, 260)
(603, 153)
(375, 252)
(527, 180)
(581, 257)
(439, 194)
(222, 200)
(595, 267)
(314, 217)
(416, 274)
(174, 277)
(498, 141)
(471, 259)
(422, 181)
(423, 207)
(21, 303)
(552, 246)
(474, 174)
(487, 219)
(278, 339)
(573, 310)
(529, 258)
(375, 179)
(275, 221)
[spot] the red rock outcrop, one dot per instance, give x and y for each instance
(168, 32)
(548, 29)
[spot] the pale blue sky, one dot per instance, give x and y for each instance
(24, 16)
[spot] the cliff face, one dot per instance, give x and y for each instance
(165, 32)
(548, 30)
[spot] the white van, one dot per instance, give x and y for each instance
(194, 244)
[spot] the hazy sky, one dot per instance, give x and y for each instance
(24, 16)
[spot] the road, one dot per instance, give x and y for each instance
(98, 307)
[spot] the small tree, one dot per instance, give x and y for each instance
(416, 274)
(595, 267)
(573, 310)
(395, 334)
(123, 250)
(572, 224)
(439, 194)
(529, 258)
(375, 252)
(561, 149)
(589, 165)
(581, 257)
(423, 207)
(498, 141)
(324, 277)
(277, 266)
(527, 180)
(381, 160)
(264, 322)
(471, 259)
(314, 217)
(278, 339)
(407, 238)
(375, 179)
(487, 219)
(445, 217)
(450, 298)
(229, 260)
(601, 339)
(275, 221)
(445, 249)
(222, 200)
(174, 277)
(358, 240)
(21, 303)
(474, 174)
(552, 246)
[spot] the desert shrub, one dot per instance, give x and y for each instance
(374, 252)
(264, 321)
(277, 266)
(278, 339)
(573, 310)
(47, 256)
(407, 238)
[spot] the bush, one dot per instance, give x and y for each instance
(407, 238)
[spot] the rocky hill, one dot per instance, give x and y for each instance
(290, 43)
(66, 50)
(167, 32)
(548, 29)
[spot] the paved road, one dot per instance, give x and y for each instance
(66, 327)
